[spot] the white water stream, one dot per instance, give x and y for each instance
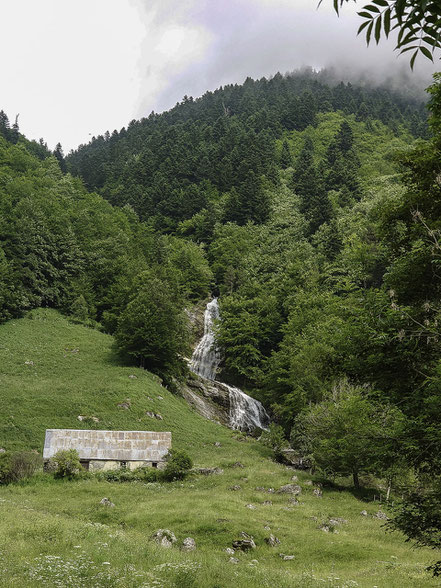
(246, 413)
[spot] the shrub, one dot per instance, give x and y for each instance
(66, 464)
(18, 466)
(275, 438)
(141, 474)
(179, 464)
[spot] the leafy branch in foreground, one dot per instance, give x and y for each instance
(418, 23)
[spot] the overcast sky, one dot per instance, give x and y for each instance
(76, 68)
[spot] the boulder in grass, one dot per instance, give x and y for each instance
(189, 544)
(245, 544)
(230, 551)
(164, 537)
(286, 557)
(233, 560)
(294, 489)
(272, 540)
(364, 513)
(107, 502)
(209, 471)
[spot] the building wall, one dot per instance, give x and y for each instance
(96, 465)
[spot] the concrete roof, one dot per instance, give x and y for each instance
(109, 445)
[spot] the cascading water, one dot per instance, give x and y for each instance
(246, 413)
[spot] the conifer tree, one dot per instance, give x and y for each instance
(285, 155)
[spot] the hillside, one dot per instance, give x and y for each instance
(57, 534)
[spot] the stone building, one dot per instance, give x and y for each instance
(109, 450)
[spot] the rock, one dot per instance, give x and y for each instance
(160, 398)
(260, 489)
(133, 377)
(29, 362)
(251, 506)
(336, 521)
(272, 540)
(267, 502)
(164, 537)
(189, 544)
(158, 417)
(308, 483)
(244, 544)
(324, 528)
(237, 464)
(217, 444)
(222, 520)
(294, 479)
(2, 450)
(267, 528)
(271, 491)
(236, 487)
(95, 419)
(286, 557)
(81, 417)
(124, 405)
(230, 551)
(364, 513)
(317, 492)
(293, 500)
(209, 471)
(233, 560)
(290, 489)
(381, 515)
(150, 414)
(107, 502)
(254, 562)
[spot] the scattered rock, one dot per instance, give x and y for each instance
(124, 405)
(217, 444)
(236, 487)
(244, 544)
(293, 500)
(272, 540)
(260, 489)
(237, 464)
(317, 492)
(158, 417)
(133, 377)
(153, 415)
(286, 557)
(29, 362)
(244, 479)
(81, 417)
(271, 491)
(290, 489)
(189, 544)
(381, 515)
(324, 528)
(230, 551)
(335, 521)
(308, 483)
(95, 419)
(294, 479)
(267, 502)
(164, 537)
(267, 528)
(2, 450)
(209, 471)
(222, 520)
(160, 398)
(251, 506)
(107, 502)
(254, 562)
(233, 560)
(364, 513)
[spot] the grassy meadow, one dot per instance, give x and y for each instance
(56, 533)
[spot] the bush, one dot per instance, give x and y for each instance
(275, 438)
(141, 474)
(66, 464)
(179, 464)
(18, 466)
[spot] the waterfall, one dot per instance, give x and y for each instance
(246, 413)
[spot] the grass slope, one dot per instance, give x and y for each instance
(55, 533)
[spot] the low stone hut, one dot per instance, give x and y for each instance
(109, 450)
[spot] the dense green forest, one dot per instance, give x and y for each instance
(311, 207)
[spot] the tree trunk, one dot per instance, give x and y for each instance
(389, 487)
(356, 480)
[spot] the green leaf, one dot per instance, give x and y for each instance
(426, 53)
(369, 32)
(378, 29)
(381, 2)
(386, 22)
(372, 8)
(412, 59)
(363, 26)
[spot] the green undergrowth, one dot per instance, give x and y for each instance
(56, 532)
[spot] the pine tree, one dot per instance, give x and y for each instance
(59, 155)
(285, 155)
